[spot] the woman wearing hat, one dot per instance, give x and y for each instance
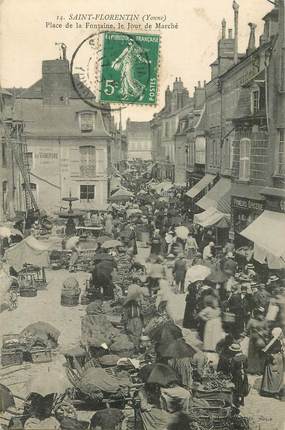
(272, 381)
(257, 329)
(238, 370)
(132, 312)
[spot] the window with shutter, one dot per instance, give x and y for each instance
(86, 122)
(87, 161)
(244, 161)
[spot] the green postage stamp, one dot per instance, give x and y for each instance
(129, 68)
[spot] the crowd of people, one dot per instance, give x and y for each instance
(234, 316)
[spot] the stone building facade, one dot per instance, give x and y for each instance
(164, 127)
(68, 142)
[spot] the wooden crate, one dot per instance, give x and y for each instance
(11, 357)
(41, 355)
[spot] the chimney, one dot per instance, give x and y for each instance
(224, 24)
(251, 42)
(199, 84)
(56, 83)
(205, 83)
(282, 43)
(236, 9)
(230, 35)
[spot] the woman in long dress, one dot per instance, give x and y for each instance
(257, 329)
(213, 331)
(272, 381)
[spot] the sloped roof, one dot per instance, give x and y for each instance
(35, 90)
(56, 121)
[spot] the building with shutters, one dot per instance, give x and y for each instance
(68, 142)
(164, 126)
(138, 140)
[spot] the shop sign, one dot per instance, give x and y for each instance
(243, 203)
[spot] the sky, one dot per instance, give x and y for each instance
(185, 52)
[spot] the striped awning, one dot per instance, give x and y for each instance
(200, 186)
(218, 197)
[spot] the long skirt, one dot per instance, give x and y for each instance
(272, 380)
(213, 333)
(256, 358)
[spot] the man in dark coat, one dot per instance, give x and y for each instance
(179, 272)
(240, 304)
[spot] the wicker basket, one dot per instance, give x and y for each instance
(11, 357)
(40, 284)
(28, 292)
(69, 300)
(41, 355)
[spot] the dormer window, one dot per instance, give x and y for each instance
(255, 101)
(86, 121)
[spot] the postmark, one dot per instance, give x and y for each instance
(129, 70)
(111, 68)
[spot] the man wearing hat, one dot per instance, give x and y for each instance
(240, 304)
(238, 370)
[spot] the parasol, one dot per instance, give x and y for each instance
(72, 242)
(9, 231)
(182, 232)
(160, 374)
(6, 399)
(111, 244)
(121, 195)
(178, 348)
(197, 273)
(48, 382)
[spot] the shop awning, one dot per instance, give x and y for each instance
(218, 196)
(212, 217)
(268, 232)
(203, 183)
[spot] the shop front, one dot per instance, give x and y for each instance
(246, 205)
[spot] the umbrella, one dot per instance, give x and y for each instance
(182, 232)
(8, 231)
(121, 195)
(197, 273)
(48, 382)
(178, 348)
(160, 374)
(72, 242)
(111, 244)
(6, 399)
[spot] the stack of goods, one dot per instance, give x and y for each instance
(122, 346)
(97, 383)
(70, 292)
(11, 352)
(97, 329)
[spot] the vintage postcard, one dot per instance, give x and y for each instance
(142, 215)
